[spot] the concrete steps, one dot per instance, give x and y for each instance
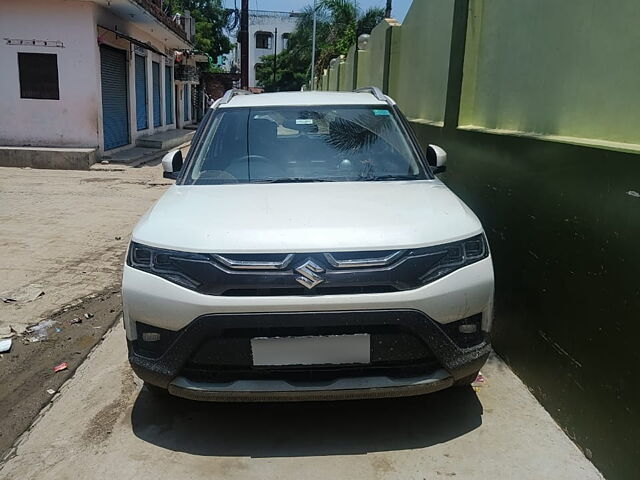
(48, 157)
(165, 140)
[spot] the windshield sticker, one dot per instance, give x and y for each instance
(381, 113)
(304, 121)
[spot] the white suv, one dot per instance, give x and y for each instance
(307, 252)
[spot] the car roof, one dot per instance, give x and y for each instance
(308, 98)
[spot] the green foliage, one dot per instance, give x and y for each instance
(210, 18)
(339, 23)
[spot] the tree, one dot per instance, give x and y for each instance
(339, 23)
(210, 18)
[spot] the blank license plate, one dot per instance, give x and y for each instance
(329, 349)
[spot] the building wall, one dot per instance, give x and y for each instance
(570, 70)
(72, 120)
(536, 103)
(266, 23)
(76, 119)
(105, 18)
(425, 35)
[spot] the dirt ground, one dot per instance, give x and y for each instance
(64, 233)
(63, 238)
(26, 371)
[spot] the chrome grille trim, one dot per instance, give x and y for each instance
(364, 262)
(255, 264)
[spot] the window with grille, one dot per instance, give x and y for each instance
(38, 74)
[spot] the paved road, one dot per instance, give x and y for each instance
(104, 425)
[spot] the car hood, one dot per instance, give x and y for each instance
(306, 217)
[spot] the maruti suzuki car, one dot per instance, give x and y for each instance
(307, 251)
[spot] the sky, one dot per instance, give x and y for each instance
(400, 7)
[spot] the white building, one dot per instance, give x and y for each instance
(92, 74)
(263, 40)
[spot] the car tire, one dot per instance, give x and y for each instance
(466, 381)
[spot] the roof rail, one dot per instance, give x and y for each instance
(375, 91)
(229, 94)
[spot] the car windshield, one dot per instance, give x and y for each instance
(303, 144)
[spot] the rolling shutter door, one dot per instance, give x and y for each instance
(115, 99)
(142, 122)
(168, 95)
(155, 70)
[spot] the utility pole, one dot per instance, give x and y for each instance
(387, 11)
(243, 37)
(275, 55)
(313, 47)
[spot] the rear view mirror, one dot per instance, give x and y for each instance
(437, 158)
(172, 164)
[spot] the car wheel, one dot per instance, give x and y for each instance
(466, 381)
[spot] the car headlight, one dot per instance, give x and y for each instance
(457, 255)
(163, 263)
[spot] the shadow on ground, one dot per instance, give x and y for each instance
(305, 429)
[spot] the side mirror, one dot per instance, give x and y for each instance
(437, 158)
(172, 164)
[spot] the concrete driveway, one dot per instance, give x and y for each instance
(103, 424)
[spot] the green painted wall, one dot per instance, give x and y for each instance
(342, 77)
(379, 53)
(564, 238)
(349, 69)
(364, 58)
(334, 76)
(568, 68)
(420, 60)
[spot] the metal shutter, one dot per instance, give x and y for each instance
(115, 99)
(142, 122)
(186, 102)
(168, 94)
(155, 70)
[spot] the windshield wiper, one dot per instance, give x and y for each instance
(292, 180)
(380, 178)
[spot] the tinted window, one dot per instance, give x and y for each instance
(294, 144)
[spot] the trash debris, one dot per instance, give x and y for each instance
(59, 368)
(88, 315)
(105, 162)
(118, 238)
(41, 330)
(50, 391)
(633, 193)
(76, 320)
(24, 294)
(478, 382)
(58, 330)
(7, 332)
(5, 345)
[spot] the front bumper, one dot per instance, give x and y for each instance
(152, 300)
(426, 357)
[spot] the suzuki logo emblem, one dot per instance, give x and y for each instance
(309, 271)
